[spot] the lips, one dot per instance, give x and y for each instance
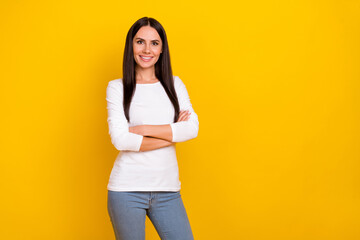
(145, 58)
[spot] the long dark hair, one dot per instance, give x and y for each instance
(163, 69)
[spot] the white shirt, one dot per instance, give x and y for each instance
(154, 170)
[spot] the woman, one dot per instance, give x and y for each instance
(149, 110)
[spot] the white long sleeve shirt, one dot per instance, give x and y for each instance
(154, 170)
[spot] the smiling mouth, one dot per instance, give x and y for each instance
(145, 58)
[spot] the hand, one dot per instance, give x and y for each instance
(139, 129)
(184, 115)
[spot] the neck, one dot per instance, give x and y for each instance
(145, 74)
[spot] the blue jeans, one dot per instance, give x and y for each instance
(128, 210)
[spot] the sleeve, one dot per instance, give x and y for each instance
(184, 130)
(121, 138)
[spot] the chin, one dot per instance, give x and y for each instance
(145, 65)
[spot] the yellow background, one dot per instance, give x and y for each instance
(276, 86)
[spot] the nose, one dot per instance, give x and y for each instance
(147, 48)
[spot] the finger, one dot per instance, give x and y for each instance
(184, 116)
(181, 115)
(181, 118)
(185, 113)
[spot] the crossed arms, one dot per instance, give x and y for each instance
(149, 137)
(157, 136)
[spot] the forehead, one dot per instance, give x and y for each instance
(147, 33)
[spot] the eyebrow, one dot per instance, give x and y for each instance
(155, 40)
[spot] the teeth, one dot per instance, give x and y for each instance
(147, 58)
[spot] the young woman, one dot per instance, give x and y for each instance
(149, 110)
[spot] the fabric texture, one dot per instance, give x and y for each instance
(154, 170)
(166, 210)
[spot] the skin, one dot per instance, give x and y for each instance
(148, 43)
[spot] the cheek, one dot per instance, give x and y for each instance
(136, 49)
(157, 51)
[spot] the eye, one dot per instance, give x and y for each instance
(155, 43)
(138, 41)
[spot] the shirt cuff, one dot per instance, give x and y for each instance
(174, 131)
(137, 142)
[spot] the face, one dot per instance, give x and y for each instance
(147, 47)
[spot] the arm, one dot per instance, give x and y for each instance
(159, 131)
(150, 143)
(184, 130)
(121, 138)
(179, 131)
